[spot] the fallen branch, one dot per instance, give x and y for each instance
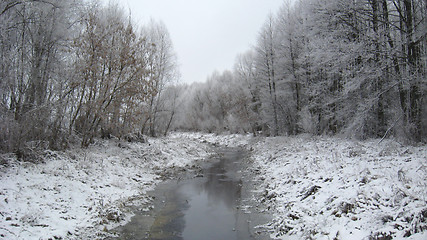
(388, 130)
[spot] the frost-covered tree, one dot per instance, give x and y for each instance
(162, 71)
(74, 67)
(371, 69)
(330, 67)
(34, 38)
(111, 66)
(246, 77)
(268, 78)
(290, 50)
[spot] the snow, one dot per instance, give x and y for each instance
(80, 193)
(315, 187)
(332, 188)
(224, 140)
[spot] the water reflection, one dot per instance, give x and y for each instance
(212, 203)
(221, 185)
(198, 208)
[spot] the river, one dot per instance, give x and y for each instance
(211, 205)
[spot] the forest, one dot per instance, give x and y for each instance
(349, 67)
(72, 71)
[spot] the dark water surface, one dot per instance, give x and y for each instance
(206, 207)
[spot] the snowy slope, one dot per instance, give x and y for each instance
(330, 188)
(80, 193)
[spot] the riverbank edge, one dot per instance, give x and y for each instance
(334, 188)
(84, 193)
(321, 187)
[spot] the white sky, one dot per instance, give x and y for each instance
(207, 34)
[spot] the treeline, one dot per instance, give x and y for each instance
(324, 67)
(77, 69)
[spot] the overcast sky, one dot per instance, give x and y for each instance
(207, 34)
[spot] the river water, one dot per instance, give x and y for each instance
(207, 207)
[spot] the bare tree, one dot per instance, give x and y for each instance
(268, 78)
(162, 64)
(112, 64)
(33, 40)
(247, 77)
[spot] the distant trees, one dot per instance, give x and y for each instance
(319, 66)
(69, 67)
(330, 67)
(215, 106)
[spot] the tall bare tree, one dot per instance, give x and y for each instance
(163, 70)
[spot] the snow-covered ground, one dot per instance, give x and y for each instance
(224, 140)
(315, 187)
(81, 193)
(331, 188)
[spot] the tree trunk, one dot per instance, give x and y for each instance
(415, 96)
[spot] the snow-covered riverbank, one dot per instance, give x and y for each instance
(315, 187)
(81, 193)
(331, 188)
(334, 188)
